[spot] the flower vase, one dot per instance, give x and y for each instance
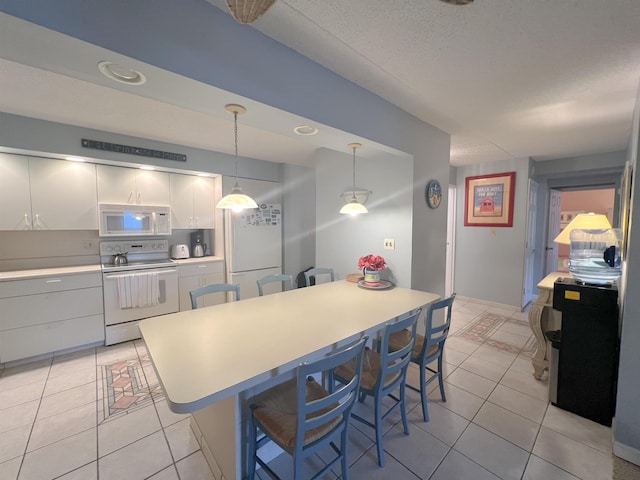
(371, 277)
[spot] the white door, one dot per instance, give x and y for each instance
(451, 239)
(530, 246)
(553, 229)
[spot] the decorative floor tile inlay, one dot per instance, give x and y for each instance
(481, 329)
(125, 386)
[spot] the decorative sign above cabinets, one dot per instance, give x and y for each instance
(141, 152)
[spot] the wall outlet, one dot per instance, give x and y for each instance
(389, 243)
(88, 244)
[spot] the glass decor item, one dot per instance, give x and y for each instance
(595, 255)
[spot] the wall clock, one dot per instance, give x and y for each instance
(433, 193)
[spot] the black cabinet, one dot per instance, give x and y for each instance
(588, 354)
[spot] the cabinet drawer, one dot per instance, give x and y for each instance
(203, 268)
(53, 283)
(49, 307)
(50, 337)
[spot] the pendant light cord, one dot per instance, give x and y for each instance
(235, 129)
(353, 193)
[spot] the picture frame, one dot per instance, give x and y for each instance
(488, 200)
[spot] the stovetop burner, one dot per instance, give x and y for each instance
(142, 265)
(142, 254)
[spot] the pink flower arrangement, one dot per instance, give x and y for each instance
(372, 262)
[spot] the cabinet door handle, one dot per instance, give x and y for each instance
(130, 197)
(202, 266)
(27, 221)
(196, 222)
(139, 200)
(55, 280)
(36, 222)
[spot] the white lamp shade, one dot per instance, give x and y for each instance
(583, 221)
(236, 200)
(353, 208)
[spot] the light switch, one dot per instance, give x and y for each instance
(389, 243)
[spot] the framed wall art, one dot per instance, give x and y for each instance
(488, 200)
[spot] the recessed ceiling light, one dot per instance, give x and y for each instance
(121, 74)
(146, 167)
(305, 130)
(75, 159)
(204, 175)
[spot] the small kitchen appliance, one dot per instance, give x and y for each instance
(179, 251)
(133, 220)
(198, 247)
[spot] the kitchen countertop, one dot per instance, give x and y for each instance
(47, 272)
(208, 258)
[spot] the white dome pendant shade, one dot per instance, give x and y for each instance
(353, 207)
(236, 200)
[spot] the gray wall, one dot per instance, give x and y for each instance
(627, 420)
(489, 261)
(299, 222)
(342, 239)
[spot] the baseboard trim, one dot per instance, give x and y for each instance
(503, 306)
(626, 452)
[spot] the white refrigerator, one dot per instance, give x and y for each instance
(253, 239)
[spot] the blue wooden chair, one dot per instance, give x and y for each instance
(287, 282)
(428, 349)
(213, 288)
(384, 372)
(318, 271)
(302, 417)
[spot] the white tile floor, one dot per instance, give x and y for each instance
(56, 421)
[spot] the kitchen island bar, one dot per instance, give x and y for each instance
(210, 361)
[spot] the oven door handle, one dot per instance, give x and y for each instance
(164, 271)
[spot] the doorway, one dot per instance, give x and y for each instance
(449, 285)
(571, 203)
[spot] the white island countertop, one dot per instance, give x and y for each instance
(205, 355)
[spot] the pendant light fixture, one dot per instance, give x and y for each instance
(354, 207)
(236, 200)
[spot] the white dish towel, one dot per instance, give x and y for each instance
(138, 290)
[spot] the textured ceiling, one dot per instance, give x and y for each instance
(543, 79)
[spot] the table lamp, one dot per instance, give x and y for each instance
(583, 221)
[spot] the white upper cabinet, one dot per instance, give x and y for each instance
(47, 194)
(132, 186)
(63, 195)
(15, 195)
(192, 201)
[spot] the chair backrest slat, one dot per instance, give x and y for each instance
(213, 288)
(392, 362)
(318, 271)
(286, 280)
(340, 401)
(438, 334)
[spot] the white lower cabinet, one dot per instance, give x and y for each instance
(195, 275)
(47, 314)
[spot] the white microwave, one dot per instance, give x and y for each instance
(133, 220)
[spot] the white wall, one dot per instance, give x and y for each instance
(627, 419)
(489, 261)
(342, 239)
